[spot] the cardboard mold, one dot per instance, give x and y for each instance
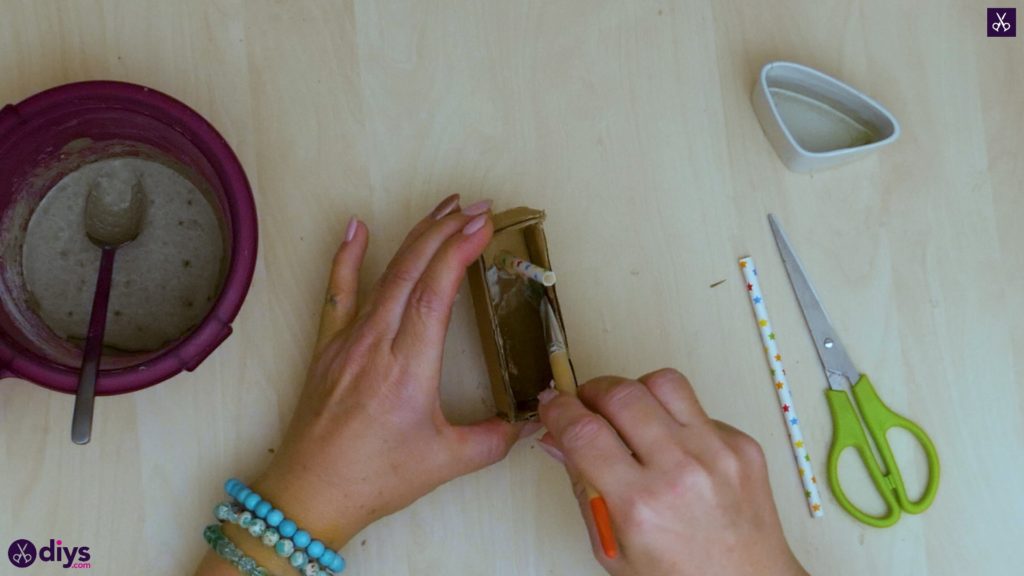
(508, 314)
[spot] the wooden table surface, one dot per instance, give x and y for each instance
(631, 124)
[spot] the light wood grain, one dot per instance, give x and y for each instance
(631, 124)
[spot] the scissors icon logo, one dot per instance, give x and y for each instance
(21, 553)
(1002, 24)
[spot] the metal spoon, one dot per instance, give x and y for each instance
(114, 212)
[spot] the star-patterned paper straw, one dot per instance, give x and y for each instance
(527, 270)
(771, 350)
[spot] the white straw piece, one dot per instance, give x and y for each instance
(526, 269)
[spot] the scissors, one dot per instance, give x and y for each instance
(22, 556)
(1005, 26)
(847, 428)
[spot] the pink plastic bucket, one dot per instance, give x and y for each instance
(52, 133)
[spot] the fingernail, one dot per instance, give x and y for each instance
(445, 207)
(350, 233)
(477, 208)
(530, 429)
(547, 395)
(552, 451)
(475, 224)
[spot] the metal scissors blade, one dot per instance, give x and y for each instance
(838, 367)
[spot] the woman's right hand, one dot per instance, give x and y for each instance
(687, 494)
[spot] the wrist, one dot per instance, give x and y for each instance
(262, 524)
(329, 513)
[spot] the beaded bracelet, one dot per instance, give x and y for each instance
(227, 550)
(288, 540)
(238, 515)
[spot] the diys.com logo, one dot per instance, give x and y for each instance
(23, 553)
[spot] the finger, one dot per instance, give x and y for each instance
(483, 443)
(638, 417)
(424, 324)
(676, 394)
(342, 300)
(588, 442)
(444, 208)
(550, 447)
(408, 266)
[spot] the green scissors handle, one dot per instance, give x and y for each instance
(878, 419)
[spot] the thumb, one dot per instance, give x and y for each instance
(483, 443)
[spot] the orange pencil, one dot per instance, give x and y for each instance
(565, 382)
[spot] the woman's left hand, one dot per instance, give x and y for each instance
(368, 437)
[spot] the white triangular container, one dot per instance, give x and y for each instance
(825, 89)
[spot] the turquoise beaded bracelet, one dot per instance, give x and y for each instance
(237, 514)
(227, 550)
(296, 545)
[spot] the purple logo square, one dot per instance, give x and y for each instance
(1002, 22)
(21, 553)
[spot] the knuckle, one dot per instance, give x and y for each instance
(691, 477)
(363, 342)
(679, 476)
(359, 351)
(429, 301)
(665, 377)
(492, 449)
(668, 374)
(598, 386)
(746, 449)
(581, 431)
(369, 327)
(622, 394)
(729, 463)
(749, 450)
(641, 511)
(399, 274)
(606, 379)
(690, 472)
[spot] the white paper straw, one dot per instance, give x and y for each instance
(525, 269)
(771, 350)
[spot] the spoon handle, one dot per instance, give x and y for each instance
(81, 420)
